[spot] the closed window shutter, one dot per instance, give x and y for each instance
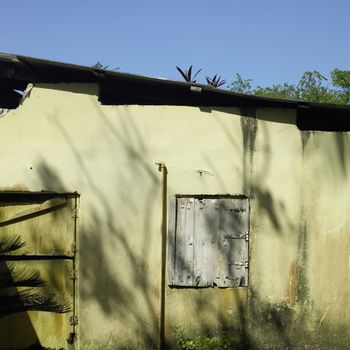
(208, 241)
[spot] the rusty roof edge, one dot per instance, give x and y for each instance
(94, 75)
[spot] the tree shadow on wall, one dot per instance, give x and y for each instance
(131, 294)
(108, 286)
(114, 294)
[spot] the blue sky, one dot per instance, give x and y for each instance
(269, 41)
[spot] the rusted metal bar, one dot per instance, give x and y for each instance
(37, 210)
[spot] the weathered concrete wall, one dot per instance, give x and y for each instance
(62, 139)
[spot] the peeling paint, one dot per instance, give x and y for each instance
(293, 283)
(3, 112)
(27, 92)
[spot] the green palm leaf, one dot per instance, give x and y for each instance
(10, 243)
(13, 276)
(30, 299)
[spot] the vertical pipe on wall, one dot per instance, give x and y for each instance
(161, 335)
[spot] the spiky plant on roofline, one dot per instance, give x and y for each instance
(99, 65)
(187, 74)
(216, 81)
(31, 296)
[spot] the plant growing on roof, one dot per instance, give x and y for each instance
(187, 74)
(216, 81)
(19, 285)
(99, 65)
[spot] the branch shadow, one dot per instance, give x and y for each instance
(113, 292)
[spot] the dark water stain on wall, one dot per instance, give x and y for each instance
(305, 137)
(249, 128)
(302, 244)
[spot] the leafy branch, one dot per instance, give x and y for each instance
(312, 86)
(30, 298)
(10, 243)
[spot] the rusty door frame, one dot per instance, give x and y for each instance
(43, 197)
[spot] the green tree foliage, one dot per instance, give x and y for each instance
(21, 288)
(241, 85)
(312, 86)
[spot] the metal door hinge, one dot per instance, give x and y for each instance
(233, 236)
(74, 275)
(239, 263)
(232, 278)
(73, 320)
(73, 249)
(75, 214)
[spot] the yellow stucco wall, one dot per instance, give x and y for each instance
(62, 139)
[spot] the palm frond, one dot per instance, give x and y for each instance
(9, 243)
(28, 299)
(32, 300)
(13, 276)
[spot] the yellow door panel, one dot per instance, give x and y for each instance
(45, 225)
(37, 270)
(50, 329)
